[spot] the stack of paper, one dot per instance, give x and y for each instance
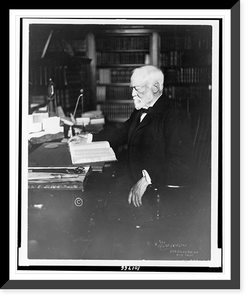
(52, 125)
(35, 122)
(82, 152)
(82, 121)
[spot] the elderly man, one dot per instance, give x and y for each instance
(158, 138)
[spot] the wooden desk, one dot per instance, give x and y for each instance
(60, 214)
(77, 223)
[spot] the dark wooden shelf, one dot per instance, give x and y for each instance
(117, 102)
(120, 65)
(115, 84)
(128, 50)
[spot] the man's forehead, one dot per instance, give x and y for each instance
(137, 80)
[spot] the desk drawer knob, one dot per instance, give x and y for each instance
(78, 202)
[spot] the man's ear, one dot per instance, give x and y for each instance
(156, 87)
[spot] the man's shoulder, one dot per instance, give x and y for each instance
(166, 105)
(171, 110)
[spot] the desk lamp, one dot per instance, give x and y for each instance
(52, 101)
(76, 106)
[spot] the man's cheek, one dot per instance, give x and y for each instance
(138, 103)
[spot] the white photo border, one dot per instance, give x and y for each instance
(17, 255)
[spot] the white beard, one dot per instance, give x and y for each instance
(138, 103)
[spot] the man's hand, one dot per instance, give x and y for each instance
(137, 192)
(87, 138)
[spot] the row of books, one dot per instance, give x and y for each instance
(78, 45)
(121, 112)
(112, 93)
(65, 97)
(199, 93)
(40, 75)
(172, 58)
(114, 112)
(188, 75)
(61, 75)
(106, 76)
(181, 58)
(122, 43)
(38, 95)
(200, 41)
(117, 58)
(68, 80)
(57, 45)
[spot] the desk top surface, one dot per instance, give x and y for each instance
(57, 155)
(50, 154)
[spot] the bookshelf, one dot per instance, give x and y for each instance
(117, 54)
(64, 62)
(100, 60)
(182, 52)
(185, 58)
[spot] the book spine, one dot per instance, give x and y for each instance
(199, 41)
(117, 111)
(120, 58)
(118, 43)
(195, 75)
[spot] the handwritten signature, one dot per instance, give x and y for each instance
(176, 249)
(163, 245)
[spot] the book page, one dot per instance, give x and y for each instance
(83, 145)
(91, 152)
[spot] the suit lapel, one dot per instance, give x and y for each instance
(156, 109)
(134, 124)
(148, 118)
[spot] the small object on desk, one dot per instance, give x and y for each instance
(49, 176)
(66, 182)
(67, 121)
(58, 177)
(70, 132)
(51, 124)
(82, 121)
(68, 170)
(98, 167)
(38, 117)
(42, 137)
(51, 145)
(98, 120)
(35, 127)
(64, 140)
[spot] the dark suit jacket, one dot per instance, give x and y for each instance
(160, 144)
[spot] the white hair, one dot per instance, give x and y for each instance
(150, 74)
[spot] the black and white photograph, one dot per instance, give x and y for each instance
(121, 138)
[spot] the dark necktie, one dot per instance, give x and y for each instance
(145, 110)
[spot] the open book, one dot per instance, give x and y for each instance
(82, 152)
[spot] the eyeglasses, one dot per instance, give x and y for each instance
(138, 88)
